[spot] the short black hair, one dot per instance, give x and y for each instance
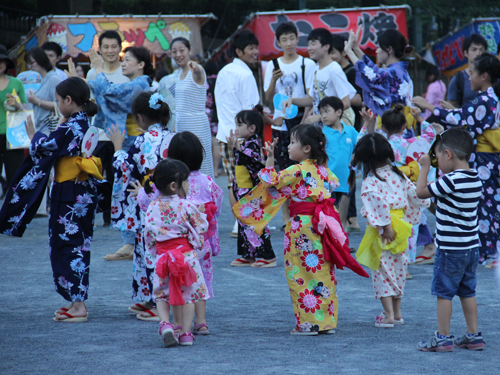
(186, 147)
(141, 106)
(286, 28)
(252, 117)
(338, 42)
(394, 119)
(323, 36)
(38, 54)
(182, 40)
(54, 47)
(474, 39)
(395, 39)
(142, 54)
(168, 171)
(458, 141)
(311, 135)
(333, 102)
(242, 39)
(78, 90)
(110, 34)
(433, 70)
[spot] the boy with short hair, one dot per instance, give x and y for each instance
(459, 90)
(328, 79)
(340, 143)
(457, 256)
(54, 53)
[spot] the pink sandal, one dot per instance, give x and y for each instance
(167, 333)
(196, 329)
(186, 339)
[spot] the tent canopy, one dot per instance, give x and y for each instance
(78, 34)
(373, 20)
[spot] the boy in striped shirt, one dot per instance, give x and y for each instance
(457, 256)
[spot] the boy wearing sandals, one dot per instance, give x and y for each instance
(457, 256)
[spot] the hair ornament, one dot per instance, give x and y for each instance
(393, 164)
(155, 98)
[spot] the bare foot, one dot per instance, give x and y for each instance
(147, 315)
(64, 309)
(78, 309)
(429, 250)
(145, 305)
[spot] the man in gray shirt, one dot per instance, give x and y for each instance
(459, 91)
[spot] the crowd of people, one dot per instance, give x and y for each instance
(160, 146)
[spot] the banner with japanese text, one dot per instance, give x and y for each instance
(78, 35)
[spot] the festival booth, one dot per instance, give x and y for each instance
(78, 34)
(264, 24)
(447, 52)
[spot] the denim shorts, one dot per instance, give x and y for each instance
(455, 273)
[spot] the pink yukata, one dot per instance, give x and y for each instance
(171, 217)
(379, 198)
(203, 189)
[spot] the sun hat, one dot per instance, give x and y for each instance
(5, 56)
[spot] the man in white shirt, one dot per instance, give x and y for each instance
(54, 53)
(328, 80)
(235, 91)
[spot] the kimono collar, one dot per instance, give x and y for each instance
(400, 65)
(154, 127)
(78, 116)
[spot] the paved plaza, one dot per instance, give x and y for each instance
(249, 319)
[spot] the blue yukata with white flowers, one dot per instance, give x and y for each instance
(384, 87)
(479, 117)
(72, 207)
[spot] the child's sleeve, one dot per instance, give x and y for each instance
(442, 187)
(413, 212)
(375, 209)
(125, 170)
(216, 195)
(333, 181)
(197, 224)
(282, 180)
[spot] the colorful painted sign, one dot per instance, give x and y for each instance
(448, 52)
(78, 35)
(371, 20)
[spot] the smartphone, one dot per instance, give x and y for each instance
(276, 65)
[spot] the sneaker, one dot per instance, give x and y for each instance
(186, 339)
(436, 344)
(475, 342)
(167, 333)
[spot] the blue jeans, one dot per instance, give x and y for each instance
(455, 273)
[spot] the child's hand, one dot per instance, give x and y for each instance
(417, 113)
(201, 208)
(232, 140)
(425, 161)
(30, 127)
(388, 235)
(438, 128)
(269, 148)
(136, 188)
(116, 137)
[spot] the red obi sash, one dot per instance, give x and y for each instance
(172, 264)
(210, 210)
(326, 222)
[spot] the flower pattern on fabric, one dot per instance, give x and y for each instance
(308, 301)
(312, 261)
(383, 87)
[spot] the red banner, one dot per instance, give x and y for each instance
(371, 20)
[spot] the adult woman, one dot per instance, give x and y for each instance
(12, 159)
(44, 98)
(190, 99)
(383, 87)
(115, 107)
(436, 91)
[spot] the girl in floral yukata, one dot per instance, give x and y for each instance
(173, 233)
(391, 207)
(134, 166)
(187, 148)
(383, 87)
(248, 156)
(393, 127)
(314, 240)
(481, 118)
(73, 196)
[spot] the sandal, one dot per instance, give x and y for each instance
(71, 319)
(166, 332)
(137, 308)
(197, 329)
(186, 339)
(493, 264)
(297, 332)
(242, 262)
(152, 318)
(379, 324)
(262, 263)
(422, 259)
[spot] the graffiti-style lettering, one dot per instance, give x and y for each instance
(488, 32)
(87, 30)
(450, 54)
(105, 26)
(374, 25)
(154, 33)
(335, 20)
(303, 27)
(136, 37)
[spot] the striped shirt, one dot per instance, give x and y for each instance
(458, 196)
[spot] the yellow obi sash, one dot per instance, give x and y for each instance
(149, 172)
(76, 168)
(243, 179)
(489, 141)
(411, 123)
(131, 126)
(370, 249)
(411, 170)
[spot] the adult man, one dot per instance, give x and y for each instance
(290, 80)
(110, 46)
(328, 78)
(54, 53)
(235, 90)
(459, 91)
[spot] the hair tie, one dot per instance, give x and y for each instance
(407, 46)
(153, 101)
(352, 167)
(393, 164)
(321, 143)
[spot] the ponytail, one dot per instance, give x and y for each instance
(148, 188)
(78, 90)
(152, 106)
(312, 135)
